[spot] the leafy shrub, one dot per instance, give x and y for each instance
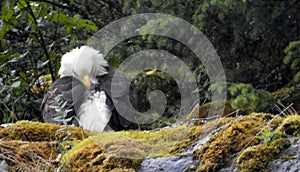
(33, 37)
(292, 58)
(248, 99)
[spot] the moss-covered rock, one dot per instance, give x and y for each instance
(26, 156)
(199, 132)
(247, 143)
(220, 148)
(290, 126)
(256, 158)
(28, 146)
(36, 131)
(122, 151)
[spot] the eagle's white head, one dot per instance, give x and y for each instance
(84, 63)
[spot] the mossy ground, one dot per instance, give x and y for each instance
(122, 151)
(28, 146)
(248, 143)
(27, 156)
(36, 131)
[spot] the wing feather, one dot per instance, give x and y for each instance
(63, 100)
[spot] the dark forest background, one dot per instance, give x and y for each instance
(258, 43)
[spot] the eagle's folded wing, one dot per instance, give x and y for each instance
(118, 120)
(62, 101)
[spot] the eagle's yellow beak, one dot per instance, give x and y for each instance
(86, 82)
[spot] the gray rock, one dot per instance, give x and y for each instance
(228, 170)
(291, 164)
(3, 166)
(167, 164)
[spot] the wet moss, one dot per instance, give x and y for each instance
(219, 149)
(36, 131)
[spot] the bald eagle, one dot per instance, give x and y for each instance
(82, 94)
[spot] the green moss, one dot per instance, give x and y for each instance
(122, 151)
(141, 144)
(256, 158)
(292, 93)
(257, 137)
(77, 147)
(220, 148)
(281, 93)
(85, 156)
(36, 131)
(31, 146)
(268, 135)
(290, 126)
(198, 132)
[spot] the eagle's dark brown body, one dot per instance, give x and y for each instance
(62, 101)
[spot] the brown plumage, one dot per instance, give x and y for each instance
(62, 101)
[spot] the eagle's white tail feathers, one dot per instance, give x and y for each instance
(94, 114)
(83, 61)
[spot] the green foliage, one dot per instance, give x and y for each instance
(248, 99)
(247, 37)
(161, 81)
(33, 37)
(292, 58)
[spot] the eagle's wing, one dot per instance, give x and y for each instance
(117, 121)
(63, 100)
